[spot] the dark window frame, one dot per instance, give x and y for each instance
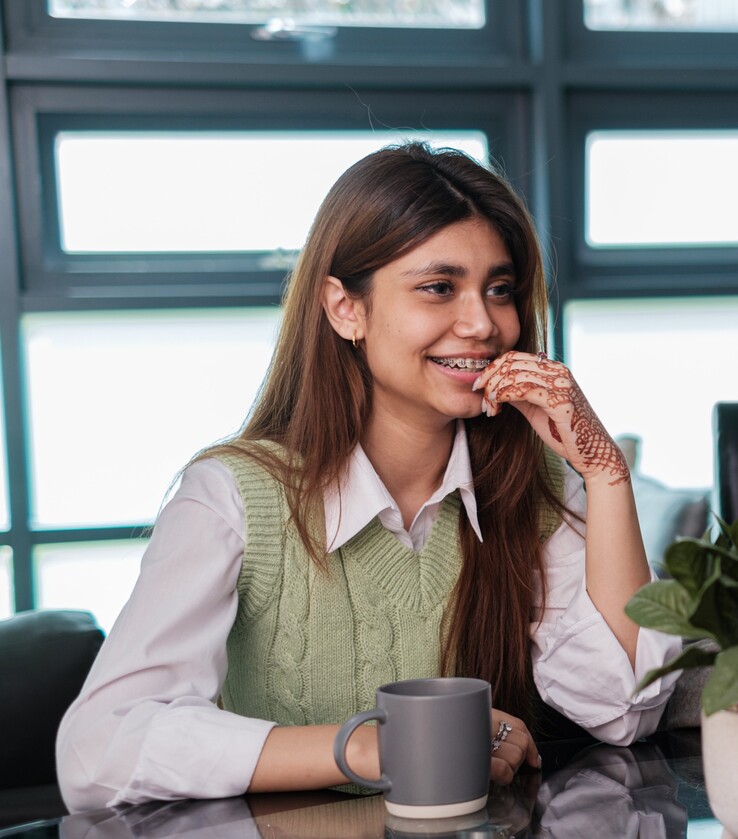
(630, 48)
(650, 268)
(43, 111)
(31, 30)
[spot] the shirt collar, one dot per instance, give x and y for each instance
(363, 495)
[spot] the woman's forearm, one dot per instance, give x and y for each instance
(301, 757)
(616, 564)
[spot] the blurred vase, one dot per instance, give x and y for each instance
(720, 758)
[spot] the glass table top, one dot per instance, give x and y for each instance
(650, 790)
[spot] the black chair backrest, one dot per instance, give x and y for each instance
(45, 656)
(725, 435)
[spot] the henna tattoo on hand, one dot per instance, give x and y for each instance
(554, 431)
(595, 448)
(594, 444)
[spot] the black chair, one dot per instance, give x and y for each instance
(725, 436)
(45, 656)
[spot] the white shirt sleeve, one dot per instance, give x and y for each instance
(579, 667)
(146, 725)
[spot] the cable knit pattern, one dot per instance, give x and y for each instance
(400, 594)
(311, 646)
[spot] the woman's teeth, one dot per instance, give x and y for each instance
(463, 363)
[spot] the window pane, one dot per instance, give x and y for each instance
(4, 510)
(655, 368)
(446, 14)
(661, 188)
(6, 582)
(674, 15)
(95, 576)
(120, 401)
(205, 191)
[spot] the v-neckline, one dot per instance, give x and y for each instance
(417, 580)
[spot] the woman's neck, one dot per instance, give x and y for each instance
(410, 462)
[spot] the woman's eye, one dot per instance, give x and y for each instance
(502, 291)
(442, 288)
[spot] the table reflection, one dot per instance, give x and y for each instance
(603, 792)
(612, 793)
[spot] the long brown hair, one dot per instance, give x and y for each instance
(317, 395)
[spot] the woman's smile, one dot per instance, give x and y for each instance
(462, 369)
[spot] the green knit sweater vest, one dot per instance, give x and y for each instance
(310, 646)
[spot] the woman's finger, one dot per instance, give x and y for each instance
(502, 772)
(512, 742)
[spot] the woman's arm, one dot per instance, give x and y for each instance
(146, 725)
(301, 757)
(616, 565)
(545, 392)
(579, 666)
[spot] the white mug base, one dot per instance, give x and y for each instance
(434, 811)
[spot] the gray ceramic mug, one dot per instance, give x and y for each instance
(434, 746)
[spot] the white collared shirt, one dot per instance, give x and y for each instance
(146, 725)
(365, 496)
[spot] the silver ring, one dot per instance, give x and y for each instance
(542, 356)
(499, 738)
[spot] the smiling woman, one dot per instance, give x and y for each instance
(370, 523)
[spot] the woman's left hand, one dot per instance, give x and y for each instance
(545, 392)
(512, 746)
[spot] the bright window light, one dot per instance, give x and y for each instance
(655, 368)
(119, 402)
(95, 576)
(154, 192)
(4, 511)
(661, 188)
(6, 582)
(662, 15)
(442, 14)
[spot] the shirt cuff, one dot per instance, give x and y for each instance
(195, 752)
(584, 672)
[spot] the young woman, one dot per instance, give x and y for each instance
(396, 506)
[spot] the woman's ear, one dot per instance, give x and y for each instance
(345, 314)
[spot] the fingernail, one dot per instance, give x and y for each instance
(540, 761)
(477, 382)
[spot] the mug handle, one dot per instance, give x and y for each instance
(382, 783)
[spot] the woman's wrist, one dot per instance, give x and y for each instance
(362, 752)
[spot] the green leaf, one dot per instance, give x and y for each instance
(728, 531)
(721, 689)
(716, 612)
(730, 565)
(728, 553)
(664, 605)
(691, 656)
(691, 565)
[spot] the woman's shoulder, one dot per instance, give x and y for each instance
(258, 470)
(238, 455)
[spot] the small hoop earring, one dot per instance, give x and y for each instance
(354, 341)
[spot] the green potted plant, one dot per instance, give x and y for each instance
(700, 602)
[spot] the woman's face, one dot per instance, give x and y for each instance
(438, 316)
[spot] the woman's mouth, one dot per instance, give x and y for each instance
(469, 364)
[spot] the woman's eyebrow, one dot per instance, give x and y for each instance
(502, 269)
(436, 268)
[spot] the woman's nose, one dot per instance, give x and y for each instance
(473, 319)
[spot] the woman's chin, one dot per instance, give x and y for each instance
(468, 409)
